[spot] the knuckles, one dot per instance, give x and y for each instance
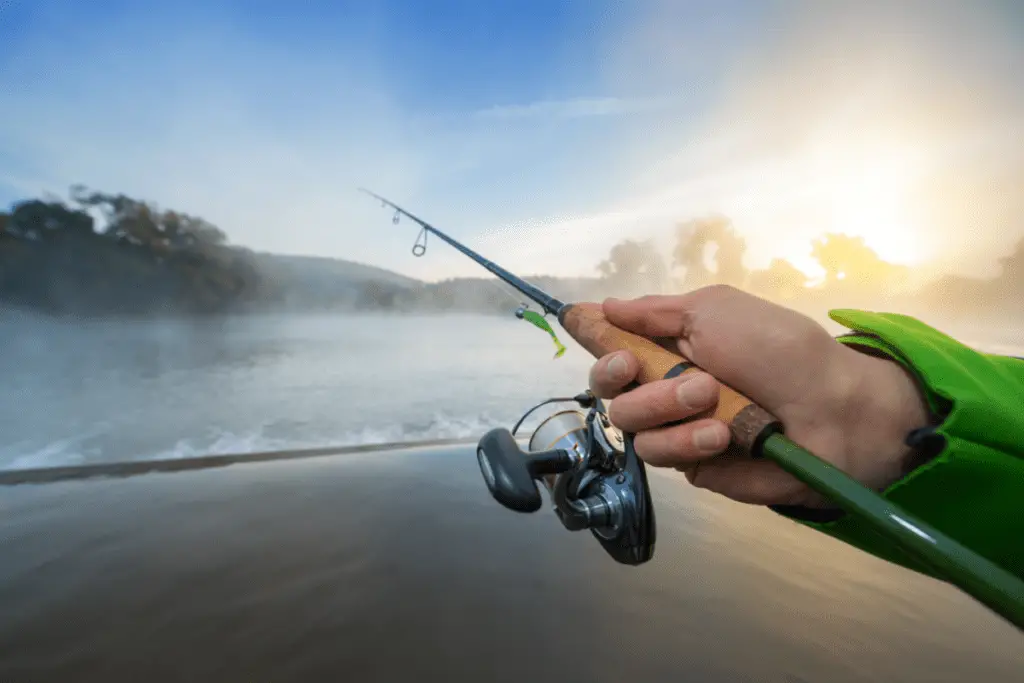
(719, 290)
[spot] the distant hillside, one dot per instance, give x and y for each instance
(313, 282)
(144, 261)
(141, 260)
(311, 268)
(483, 294)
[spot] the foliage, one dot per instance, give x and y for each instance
(143, 260)
(1012, 268)
(693, 239)
(851, 262)
(780, 281)
(138, 259)
(634, 266)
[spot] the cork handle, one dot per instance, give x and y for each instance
(749, 423)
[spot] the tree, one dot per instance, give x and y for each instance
(1012, 267)
(143, 260)
(375, 295)
(143, 224)
(634, 265)
(38, 220)
(781, 280)
(693, 238)
(198, 232)
(851, 262)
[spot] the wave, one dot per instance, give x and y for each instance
(439, 427)
(83, 449)
(54, 454)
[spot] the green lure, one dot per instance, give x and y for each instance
(539, 321)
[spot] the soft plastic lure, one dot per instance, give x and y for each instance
(539, 321)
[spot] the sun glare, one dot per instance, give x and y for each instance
(875, 207)
(864, 190)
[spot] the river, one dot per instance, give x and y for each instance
(335, 563)
(84, 392)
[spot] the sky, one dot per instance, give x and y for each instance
(539, 132)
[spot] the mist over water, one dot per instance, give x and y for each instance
(102, 391)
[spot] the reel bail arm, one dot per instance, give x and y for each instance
(594, 482)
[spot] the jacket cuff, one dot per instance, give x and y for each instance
(924, 439)
(969, 483)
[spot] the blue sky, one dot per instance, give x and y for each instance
(540, 131)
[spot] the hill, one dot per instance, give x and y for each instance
(313, 282)
(147, 261)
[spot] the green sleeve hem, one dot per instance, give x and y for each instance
(973, 489)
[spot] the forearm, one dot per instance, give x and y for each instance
(969, 479)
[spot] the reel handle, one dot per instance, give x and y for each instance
(511, 474)
(749, 423)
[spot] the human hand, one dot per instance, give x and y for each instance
(851, 409)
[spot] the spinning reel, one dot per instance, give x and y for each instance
(591, 470)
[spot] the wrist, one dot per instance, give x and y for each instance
(884, 405)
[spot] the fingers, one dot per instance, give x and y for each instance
(755, 482)
(670, 400)
(701, 449)
(610, 375)
(682, 445)
(645, 409)
(650, 316)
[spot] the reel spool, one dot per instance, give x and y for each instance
(591, 471)
(566, 430)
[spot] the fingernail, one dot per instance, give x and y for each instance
(617, 369)
(708, 439)
(696, 392)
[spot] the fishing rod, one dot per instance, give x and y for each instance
(597, 481)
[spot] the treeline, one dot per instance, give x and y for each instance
(854, 276)
(142, 260)
(710, 251)
(472, 295)
(99, 254)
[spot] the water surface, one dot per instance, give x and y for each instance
(100, 391)
(398, 566)
(78, 392)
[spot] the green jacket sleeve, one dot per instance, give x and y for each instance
(972, 486)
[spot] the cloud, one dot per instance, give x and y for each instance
(270, 140)
(898, 122)
(268, 144)
(743, 111)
